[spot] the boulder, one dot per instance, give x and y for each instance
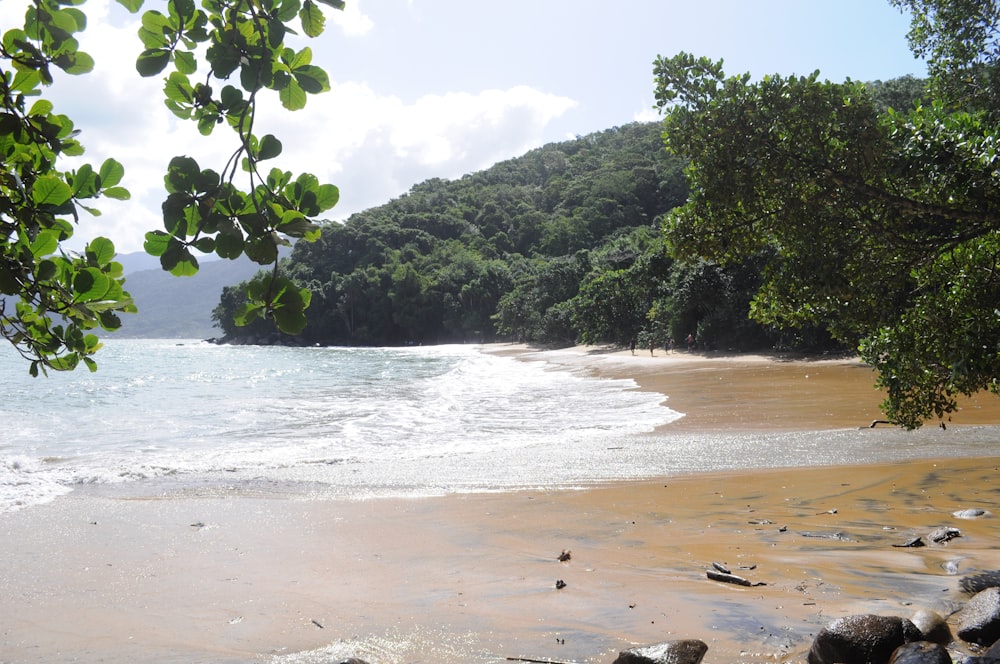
(920, 652)
(861, 639)
(688, 651)
(979, 620)
(932, 626)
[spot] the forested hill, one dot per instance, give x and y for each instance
(561, 245)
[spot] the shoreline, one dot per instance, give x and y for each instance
(223, 572)
(720, 392)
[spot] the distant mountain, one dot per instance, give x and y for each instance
(177, 307)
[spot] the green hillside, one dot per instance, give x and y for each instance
(561, 245)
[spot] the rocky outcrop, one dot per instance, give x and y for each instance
(862, 639)
(689, 651)
(920, 652)
(979, 621)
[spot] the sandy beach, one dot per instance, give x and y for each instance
(249, 572)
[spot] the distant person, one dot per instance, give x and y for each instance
(690, 341)
(652, 346)
(632, 346)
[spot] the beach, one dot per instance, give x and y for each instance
(243, 571)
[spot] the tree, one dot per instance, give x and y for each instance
(882, 224)
(58, 298)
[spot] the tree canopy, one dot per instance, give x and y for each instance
(881, 223)
(218, 58)
(558, 246)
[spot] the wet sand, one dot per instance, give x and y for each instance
(246, 572)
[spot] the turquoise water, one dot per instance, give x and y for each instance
(165, 416)
(353, 421)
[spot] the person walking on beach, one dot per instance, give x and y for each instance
(690, 341)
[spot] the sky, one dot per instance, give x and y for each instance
(440, 88)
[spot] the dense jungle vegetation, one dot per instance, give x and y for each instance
(561, 245)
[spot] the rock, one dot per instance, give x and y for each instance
(942, 535)
(977, 582)
(973, 513)
(920, 652)
(979, 620)
(352, 660)
(932, 626)
(991, 656)
(912, 542)
(862, 639)
(688, 651)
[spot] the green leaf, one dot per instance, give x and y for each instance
(152, 61)
(64, 363)
(111, 173)
(336, 4)
(75, 63)
(328, 196)
(50, 190)
(156, 243)
(118, 193)
(313, 80)
(46, 243)
(185, 62)
(181, 174)
(101, 250)
(312, 19)
(270, 147)
(131, 5)
(205, 245)
(229, 245)
(26, 81)
(186, 266)
(293, 97)
(47, 269)
(289, 308)
(178, 88)
(84, 182)
(90, 284)
(298, 60)
(248, 313)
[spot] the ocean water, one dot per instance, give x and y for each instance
(347, 421)
(161, 417)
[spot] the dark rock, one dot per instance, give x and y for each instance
(977, 582)
(912, 542)
(932, 626)
(861, 639)
(920, 652)
(979, 620)
(688, 651)
(942, 535)
(352, 660)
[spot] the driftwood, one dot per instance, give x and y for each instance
(732, 578)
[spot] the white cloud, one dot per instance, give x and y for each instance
(350, 20)
(376, 147)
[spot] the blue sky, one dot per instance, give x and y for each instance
(441, 88)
